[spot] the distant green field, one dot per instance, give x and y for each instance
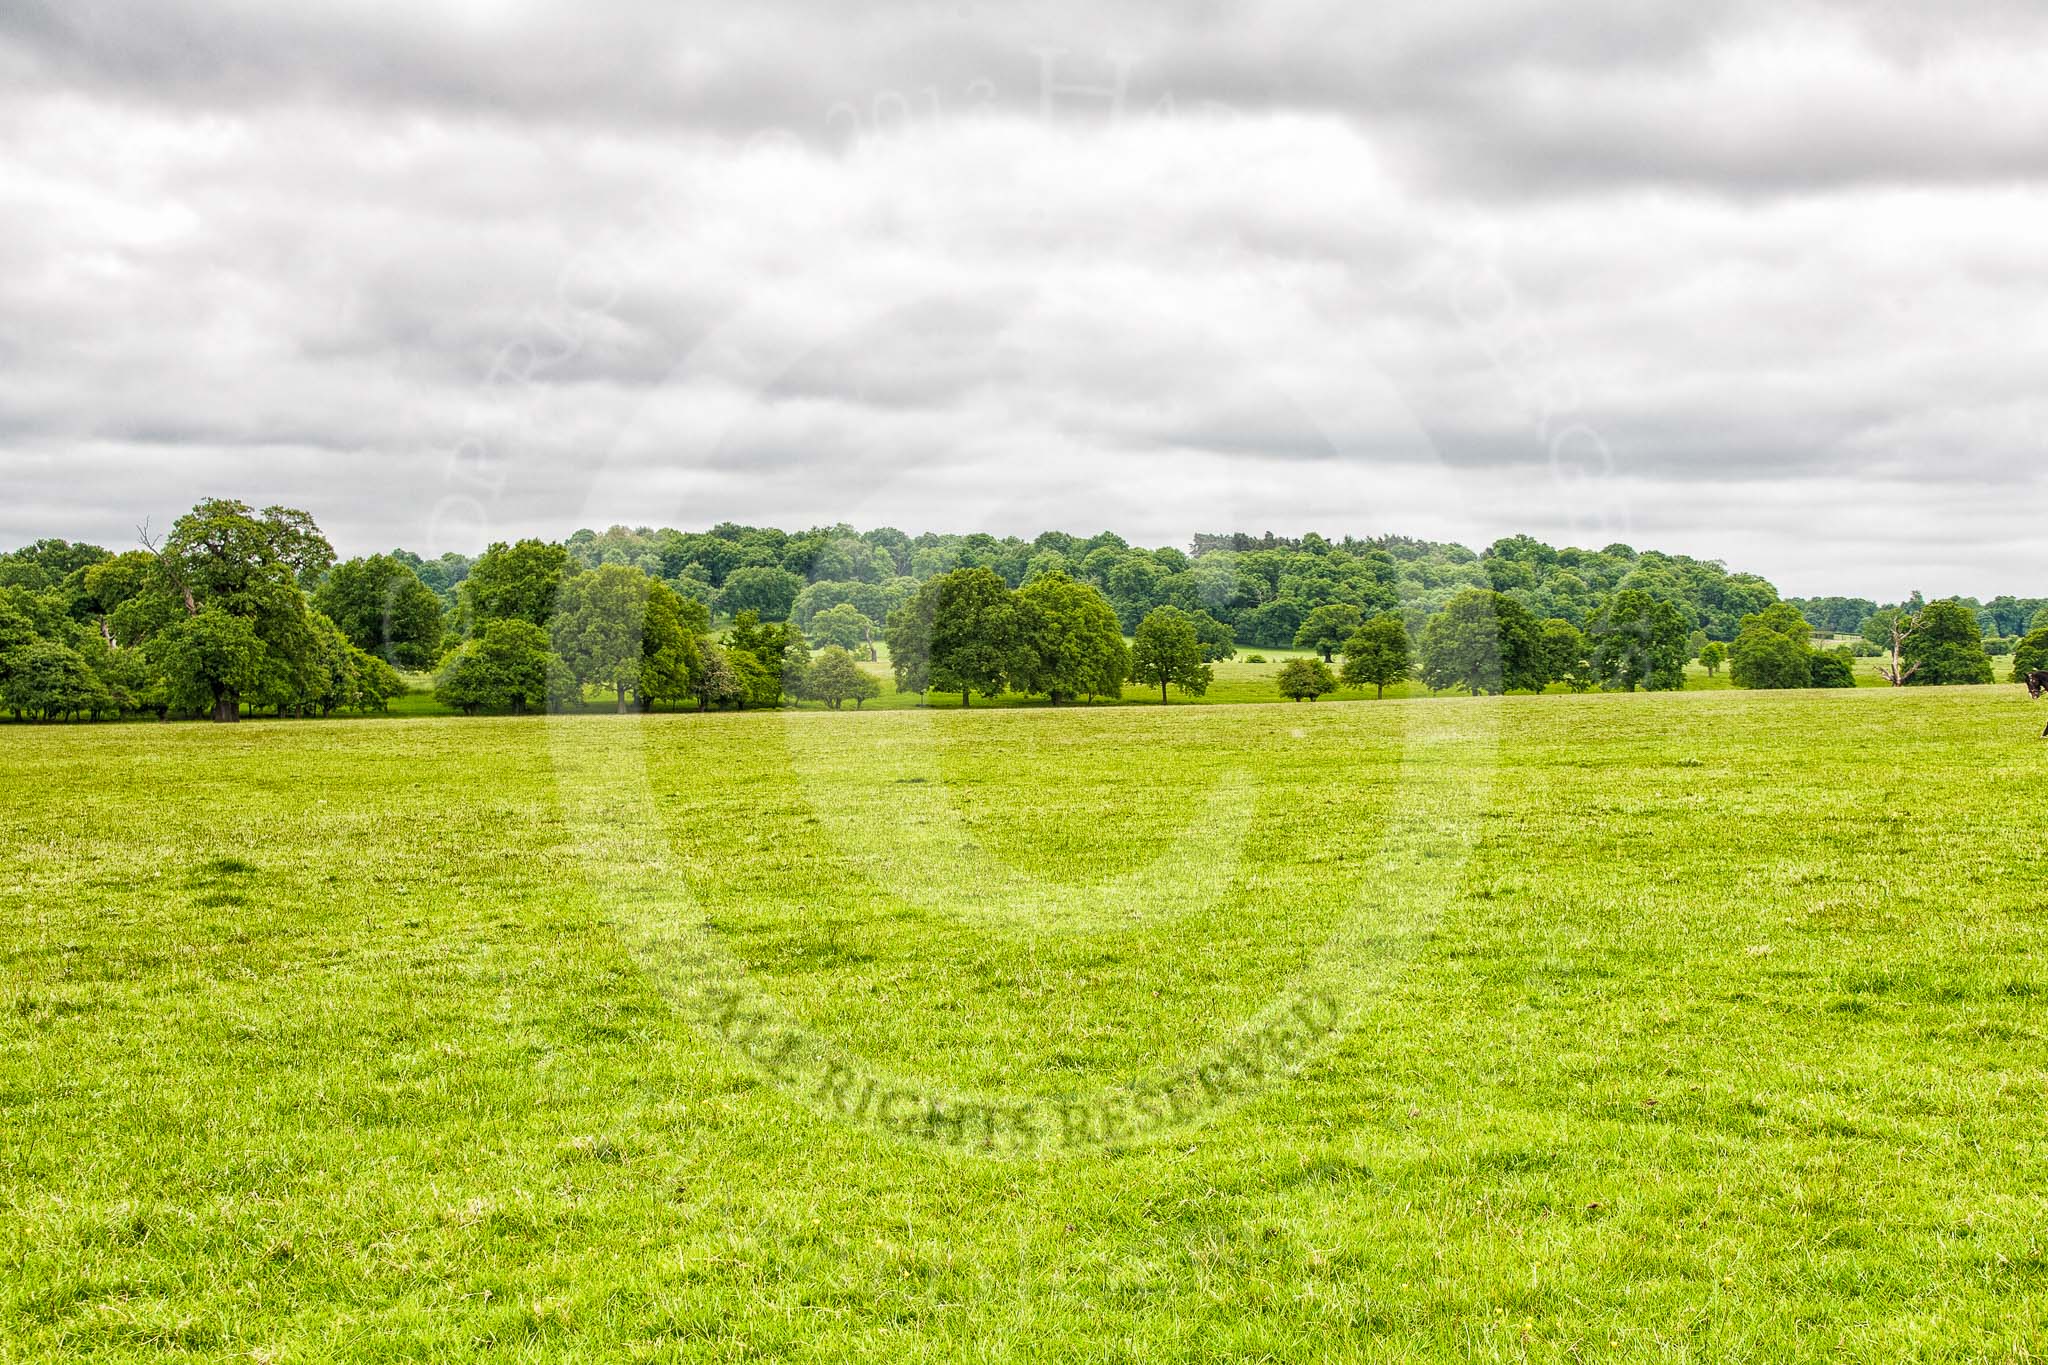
(1694, 1026)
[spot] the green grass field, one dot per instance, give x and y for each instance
(1694, 1026)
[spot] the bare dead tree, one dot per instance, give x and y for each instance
(1903, 628)
(169, 567)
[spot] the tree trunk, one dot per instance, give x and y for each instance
(1381, 694)
(1162, 691)
(622, 697)
(227, 705)
(964, 702)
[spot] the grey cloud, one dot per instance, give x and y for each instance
(443, 280)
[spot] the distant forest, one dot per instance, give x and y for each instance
(235, 608)
(1263, 587)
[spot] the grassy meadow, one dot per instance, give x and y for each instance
(1696, 1026)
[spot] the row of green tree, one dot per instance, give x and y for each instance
(237, 608)
(1488, 642)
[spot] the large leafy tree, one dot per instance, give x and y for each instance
(506, 666)
(671, 646)
(224, 552)
(1773, 650)
(769, 658)
(909, 637)
(1167, 650)
(384, 609)
(1327, 628)
(130, 598)
(341, 677)
(209, 660)
(1947, 648)
(516, 582)
(977, 640)
(600, 626)
(226, 563)
(1219, 641)
(1567, 655)
(1072, 644)
(1482, 641)
(1379, 652)
(1641, 641)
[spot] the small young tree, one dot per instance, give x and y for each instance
(1712, 656)
(1305, 679)
(1167, 650)
(835, 678)
(718, 683)
(1378, 653)
(1832, 668)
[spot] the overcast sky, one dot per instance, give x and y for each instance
(1758, 282)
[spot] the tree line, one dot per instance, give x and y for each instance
(1488, 642)
(238, 608)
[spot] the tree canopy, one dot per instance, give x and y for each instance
(1305, 679)
(1379, 653)
(1947, 648)
(384, 609)
(1773, 650)
(1483, 641)
(1640, 640)
(1072, 645)
(1167, 650)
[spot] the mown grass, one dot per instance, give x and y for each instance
(1725, 1040)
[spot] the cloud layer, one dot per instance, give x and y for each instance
(1754, 282)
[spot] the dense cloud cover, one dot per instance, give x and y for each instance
(1756, 282)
